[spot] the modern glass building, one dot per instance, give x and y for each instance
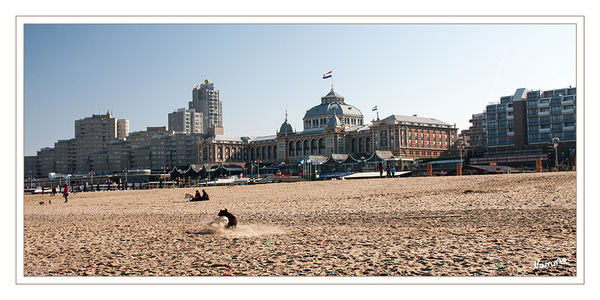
(532, 117)
(551, 114)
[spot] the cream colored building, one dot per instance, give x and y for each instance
(93, 134)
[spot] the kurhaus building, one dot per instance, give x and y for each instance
(335, 127)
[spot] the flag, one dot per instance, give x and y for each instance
(302, 162)
(308, 161)
(374, 108)
(327, 75)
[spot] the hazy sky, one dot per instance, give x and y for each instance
(143, 72)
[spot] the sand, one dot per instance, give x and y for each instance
(494, 225)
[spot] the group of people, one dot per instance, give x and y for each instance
(65, 193)
(390, 172)
(200, 197)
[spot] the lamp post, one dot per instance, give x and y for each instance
(555, 141)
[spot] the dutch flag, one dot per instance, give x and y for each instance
(327, 75)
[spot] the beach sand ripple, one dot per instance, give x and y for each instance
(498, 225)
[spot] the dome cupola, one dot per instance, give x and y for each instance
(286, 126)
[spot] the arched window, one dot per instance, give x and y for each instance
(252, 154)
(298, 148)
(291, 149)
(321, 146)
(368, 144)
(313, 146)
(264, 154)
(227, 153)
(383, 139)
(354, 146)
(361, 145)
(275, 152)
(269, 152)
(245, 153)
(306, 148)
(220, 153)
(205, 154)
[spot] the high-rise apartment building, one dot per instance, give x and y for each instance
(45, 161)
(93, 134)
(532, 117)
(186, 121)
(205, 100)
(551, 114)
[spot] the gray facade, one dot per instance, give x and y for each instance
(332, 104)
(186, 121)
(532, 117)
(551, 114)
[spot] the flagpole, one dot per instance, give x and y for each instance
(331, 79)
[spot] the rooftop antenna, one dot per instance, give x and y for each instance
(286, 115)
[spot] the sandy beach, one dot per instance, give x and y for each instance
(494, 225)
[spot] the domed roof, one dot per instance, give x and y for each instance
(333, 103)
(330, 109)
(286, 127)
(334, 122)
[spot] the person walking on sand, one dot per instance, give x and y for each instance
(380, 171)
(66, 193)
(393, 172)
(53, 190)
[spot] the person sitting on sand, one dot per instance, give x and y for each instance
(199, 197)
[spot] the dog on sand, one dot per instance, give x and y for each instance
(232, 220)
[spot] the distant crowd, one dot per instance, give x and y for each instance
(390, 172)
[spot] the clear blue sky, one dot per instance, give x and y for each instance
(143, 72)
